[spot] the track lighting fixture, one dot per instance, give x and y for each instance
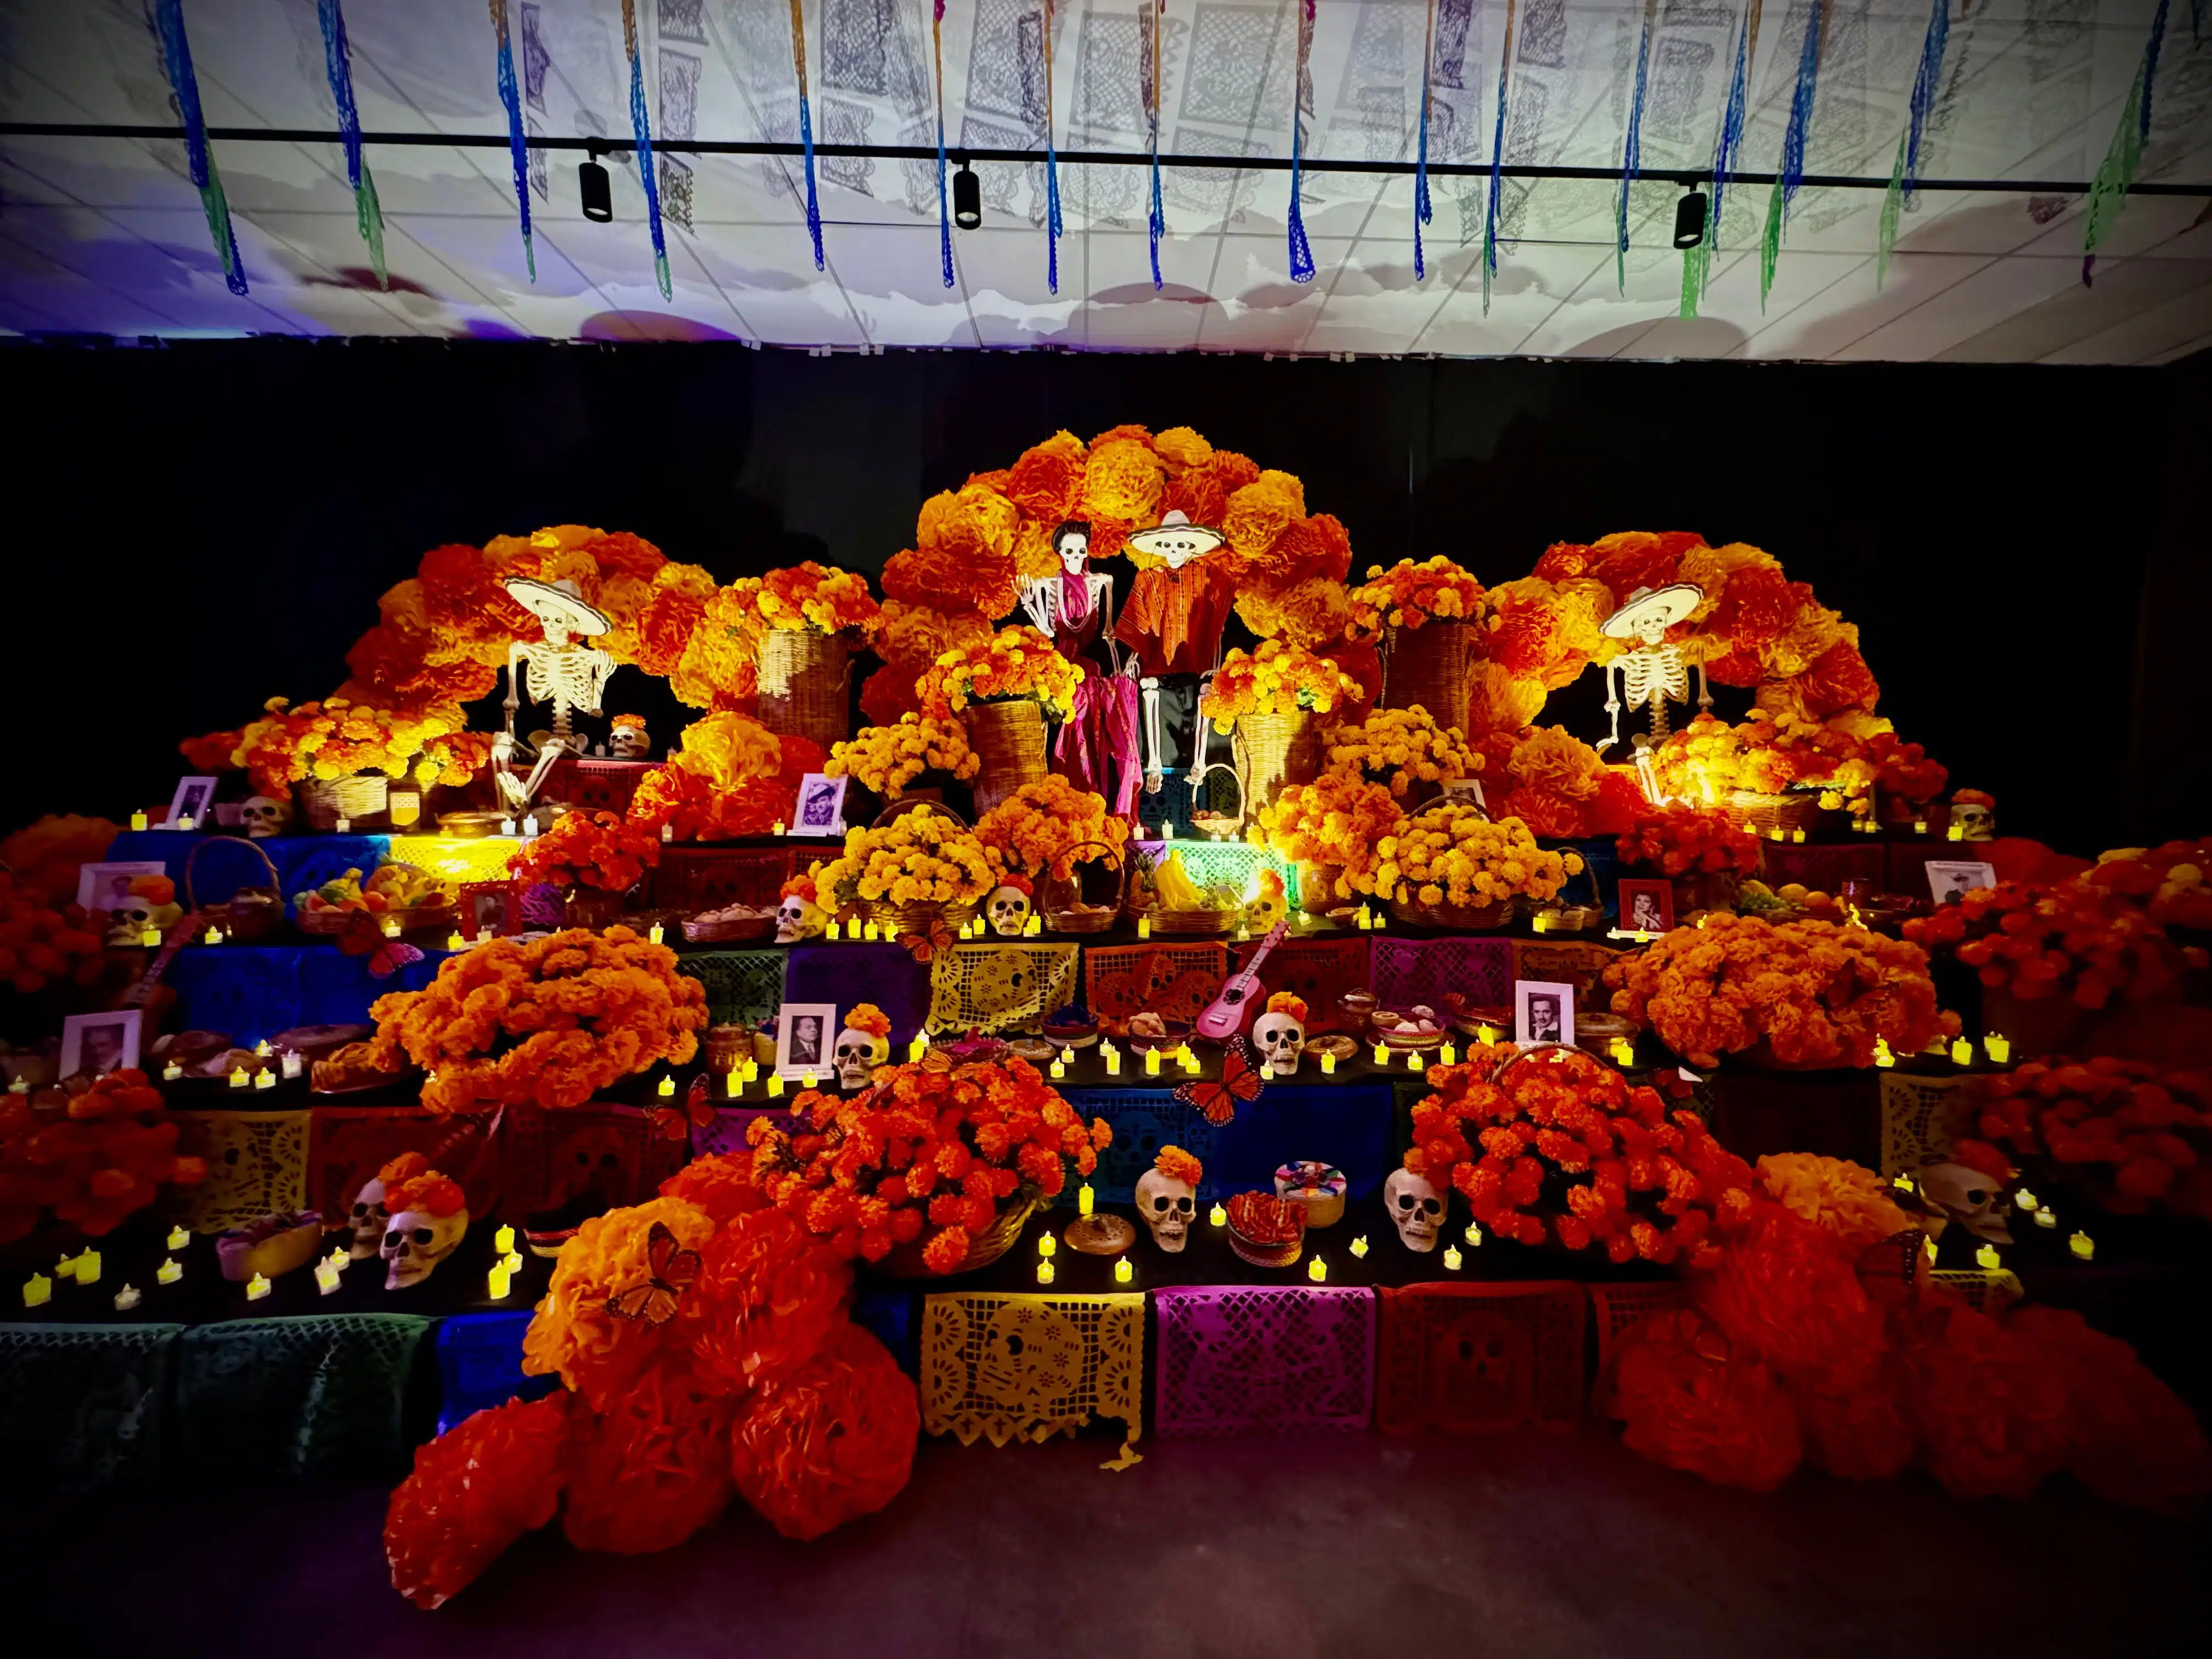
(1690, 218)
(967, 198)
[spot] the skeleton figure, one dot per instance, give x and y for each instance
(1653, 674)
(558, 670)
(415, 1243)
(858, 1053)
(1416, 1208)
(1009, 910)
(1045, 600)
(1166, 1206)
(264, 816)
(1953, 1192)
(1281, 1037)
(798, 918)
(1175, 541)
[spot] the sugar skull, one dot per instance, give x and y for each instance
(1975, 813)
(798, 917)
(628, 740)
(416, 1240)
(263, 816)
(1009, 907)
(1953, 1192)
(1280, 1034)
(1167, 1197)
(369, 1213)
(139, 911)
(1417, 1209)
(863, 1045)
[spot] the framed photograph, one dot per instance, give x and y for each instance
(1468, 789)
(805, 1032)
(99, 1043)
(1647, 907)
(194, 799)
(1543, 1012)
(821, 805)
(490, 909)
(104, 886)
(1949, 882)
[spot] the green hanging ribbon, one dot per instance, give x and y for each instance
(1696, 261)
(2108, 192)
(1893, 205)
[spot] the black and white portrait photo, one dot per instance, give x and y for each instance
(190, 802)
(1543, 1012)
(821, 805)
(1951, 880)
(97, 1045)
(1647, 907)
(802, 1031)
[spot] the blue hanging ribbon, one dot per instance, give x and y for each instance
(337, 61)
(1302, 260)
(1801, 107)
(1424, 209)
(1631, 152)
(518, 148)
(943, 212)
(641, 128)
(1732, 118)
(806, 127)
(1052, 224)
(199, 163)
(1496, 161)
(1151, 67)
(1925, 85)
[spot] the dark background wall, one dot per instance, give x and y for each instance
(200, 527)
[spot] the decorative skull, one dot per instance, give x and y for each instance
(1975, 813)
(1281, 1033)
(129, 919)
(1166, 1206)
(264, 816)
(799, 917)
(1009, 910)
(367, 1220)
(1416, 1208)
(858, 1053)
(1953, 1192)
(629, 740)
(416, 1241)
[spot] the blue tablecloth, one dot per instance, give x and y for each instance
(1348, 1124)
(255, 991)
(480, 1365)
(846, 974)
(301, 861)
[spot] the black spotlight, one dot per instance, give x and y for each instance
(599, 193)
(967, 199)
(1690, 218)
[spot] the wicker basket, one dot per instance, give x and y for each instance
(360, 801)
(1452, 918)
(1763, 814)
(906, 1260)
(806, 684)
(1318, 890)
(1274, 751)
(1008, 738)
(590, 908)
(1057, 895)
(1429, 667)
(893, 920)
(260, 916)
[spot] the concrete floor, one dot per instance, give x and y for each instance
(1333, 1546)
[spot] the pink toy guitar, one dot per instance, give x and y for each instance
(1224, 1016)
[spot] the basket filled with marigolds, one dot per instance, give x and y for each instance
(933, 1171)
(884, 759)
(1002, 690)
(922, 871)
(87, 1154)
(1054, 832)
(2129, 1136)
(1406, 750)
(1704, 854)
(594, 861)
(1332, 829)
(1553, 1147)
(807, 620)
(1270, 700)
(1450, 867)
(1786, 996)
(1419, 611)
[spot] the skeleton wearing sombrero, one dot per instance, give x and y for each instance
(1653, 673)
(556, 670)
(1174, 620)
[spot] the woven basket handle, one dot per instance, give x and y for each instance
(192, 900)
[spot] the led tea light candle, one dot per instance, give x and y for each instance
(1987, 1257)
(667, 1087)
(1044, 1272)
(265, 1079)
(1123, 1272)
(1452, 1258)
(327, 1279)
(179, 1238)
(2084, 1249)
(1218, 1217)
(257, 1288)
(1327, 1063)
(169, 1272)
(1962, 1052)
(503, 1241)
(1086, 1199)
(127, 1298)
(1448, 1055)
(1317, 1270)
(656, 933)
(1047, 1245)
(137, 820)
(2046, 1217)
(1999, 1048)
(1359, 1246)
(38, 1291)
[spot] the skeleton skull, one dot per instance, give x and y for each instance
(796, 919)
(264, 816)
(858, 1053)
(1009, 911)
(1166, 1206)
(367, 1220)
(1280, 1040)
(1416, 1208)
(1074, 550)
(1951, 1192)
(1975, 821)
(629, 743)
(128, 921)
(416, 1241)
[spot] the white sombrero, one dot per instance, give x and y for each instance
(1177, 529)
(558, 605)
(1649, 607)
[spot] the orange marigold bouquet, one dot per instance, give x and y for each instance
(1450, 853)
(89, 1152)
(1401, 747)
(588, 849)
(1680, 840)
(1336, 821)
(812, 595)
(1559, 1145)
(1812, 994)
(730, 776)
(42, 943)
(2167, 880)
(2081, 938)
(1769, 754)
(1557, 784)
(930, 1148)
(886, 758)
(1052, 825)
(918, 857)
(2129, 1135)
(553, 1020)
(1276, 678)
(1409, 594)
(1013, 663)
(338, 739)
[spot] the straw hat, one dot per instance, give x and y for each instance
(1176, 532)
(1653, 607)
(558, 605)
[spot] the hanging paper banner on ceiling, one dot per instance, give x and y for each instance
(641, 128)
(1632, 148)
(1904, 174)
(1052, 222)
(518, 150)
(1698, 261)
(1152, 71)
(2108, 192)
(806, 126)
(338, 61)
(1301, 261)
(1791, 174)
(1424, 210)
(944, 213)
(1496, 161)
(199, 160)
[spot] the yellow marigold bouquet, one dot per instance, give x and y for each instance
(887, 759)
(1817, 994)
(1451, 854)
(1278, 678)
(339, 738)
(919, 858)
(1408, 594)
(1014, 662)
(1768, 754)
(1408, 745)
(1047, 824)
(552, 1020)
(812, 595)
(1335, 821)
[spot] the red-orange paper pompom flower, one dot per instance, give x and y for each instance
(1784, 1290)
(1693, 1405)
(1994, 1420)
(474, 1490)
(833, 1444)
(649, 1471)
(768, 1295)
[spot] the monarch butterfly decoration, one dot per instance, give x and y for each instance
(676, 1123)
(364, 937)
(1241, 1082)
(671, 1272)
(928, 945)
